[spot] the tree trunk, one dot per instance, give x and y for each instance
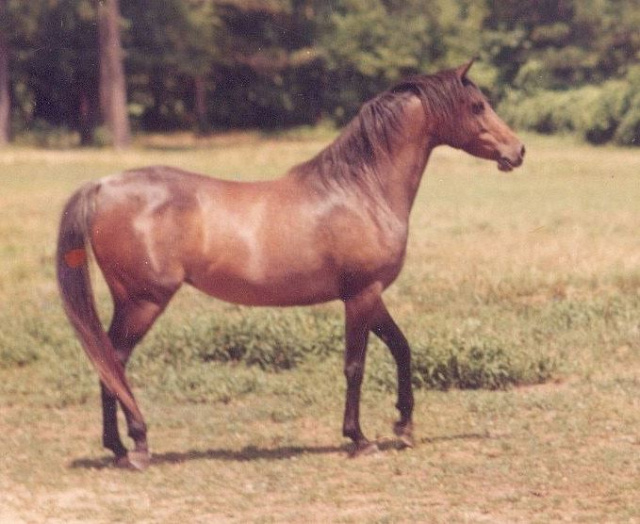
(5, 103)
(201, 104)
(87, 116)
(113, 89)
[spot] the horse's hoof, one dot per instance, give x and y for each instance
(122, 462)
(405, 441)
(139, 460)
(133, 460)
(404, 432)
(364, 449)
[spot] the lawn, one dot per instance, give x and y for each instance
(520, 296)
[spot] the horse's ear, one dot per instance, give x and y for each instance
(464, 69)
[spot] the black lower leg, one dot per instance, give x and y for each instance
(405, 396)
(351, 426)
(110, 435)
(392, 336)
(354, 373)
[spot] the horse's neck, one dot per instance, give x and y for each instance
(405, 171)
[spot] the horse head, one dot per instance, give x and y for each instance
(478, 130)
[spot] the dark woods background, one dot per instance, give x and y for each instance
(551, 66)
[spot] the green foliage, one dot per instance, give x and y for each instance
(446, 361)
(477, 363)
(371, 44)
(169, 44)
(272, 340)
(367, 45)
(214, 358)
(608, 112)
(54, 60)
(48, 136)
(211, 64)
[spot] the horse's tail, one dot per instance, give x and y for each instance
(74, 280)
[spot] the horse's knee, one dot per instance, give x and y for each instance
(354, 372)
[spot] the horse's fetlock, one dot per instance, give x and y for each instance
(137, 430)
(114, 445)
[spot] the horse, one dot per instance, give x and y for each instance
(332, 228)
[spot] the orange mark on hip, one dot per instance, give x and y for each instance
(75, 258)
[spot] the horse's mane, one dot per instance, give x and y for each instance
(356, 154)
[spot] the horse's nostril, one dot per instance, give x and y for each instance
(523, 151)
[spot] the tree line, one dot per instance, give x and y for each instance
(98, 69)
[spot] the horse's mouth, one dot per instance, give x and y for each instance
(505, 164)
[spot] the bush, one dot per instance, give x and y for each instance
(609, 112)
(281, 340)
(48, 136)
(272, 340)
(478, 361)
(204, 357)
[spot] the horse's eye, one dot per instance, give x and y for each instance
(477, 108)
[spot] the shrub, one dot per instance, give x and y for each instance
(600, 114)
(281, 340)
(628, 131)
(273, 340)
(445, 362)
(41, 133)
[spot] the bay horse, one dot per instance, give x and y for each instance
(333, 228)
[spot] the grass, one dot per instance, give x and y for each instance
(522, 289)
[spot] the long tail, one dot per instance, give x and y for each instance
(74, 280)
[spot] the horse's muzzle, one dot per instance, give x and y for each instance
(510, 162)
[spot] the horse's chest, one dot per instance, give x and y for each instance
(372, 252)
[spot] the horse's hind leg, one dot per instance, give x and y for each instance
(110, 437)
(131, 321)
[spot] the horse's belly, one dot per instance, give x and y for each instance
(279, 288)
(290, 284)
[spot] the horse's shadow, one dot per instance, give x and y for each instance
(254, 453)
(246, 454)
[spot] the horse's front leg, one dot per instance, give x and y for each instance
(359, 310)
(388, 331)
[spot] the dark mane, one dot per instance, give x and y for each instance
(363, 145)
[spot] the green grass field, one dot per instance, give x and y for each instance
(520, 297)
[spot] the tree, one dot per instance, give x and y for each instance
(197, 64)
(369, 44)
(173, 51)
(5, 102)
(113, 89)
(269, 72)
(562, 44)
